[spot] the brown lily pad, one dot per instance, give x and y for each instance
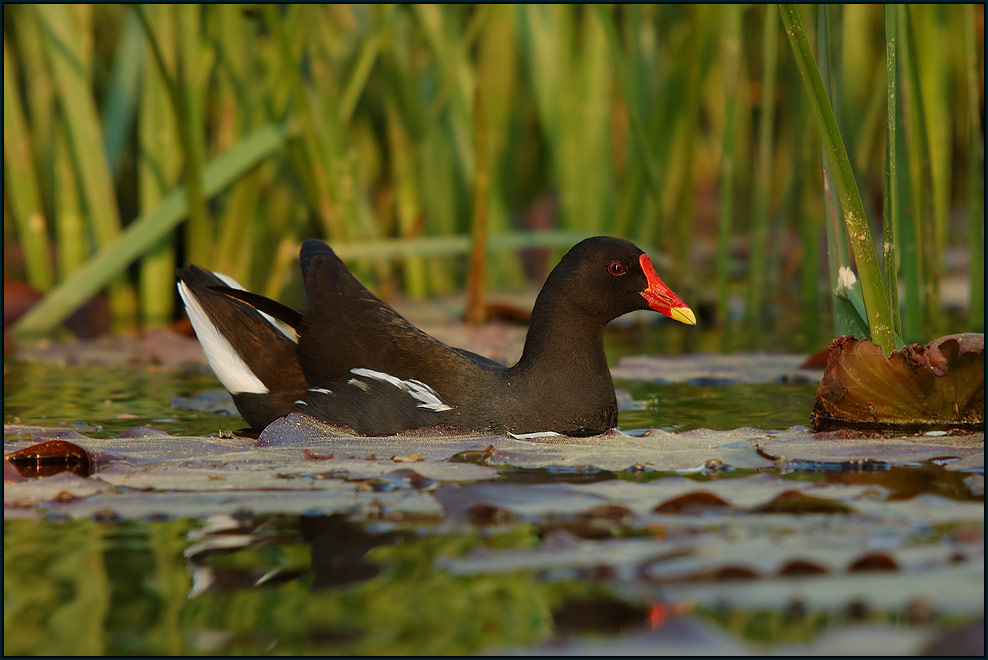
(48, 458)
(941, 384)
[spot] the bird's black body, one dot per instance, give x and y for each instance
(360, 364)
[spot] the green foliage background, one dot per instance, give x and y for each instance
(141, 138)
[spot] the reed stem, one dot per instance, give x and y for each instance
(142, 233)
(876, 304)
(763, 170)
(23, 190)
(890, 214)
(976, 177)
(731, 56)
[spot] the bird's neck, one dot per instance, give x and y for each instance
(561, 337)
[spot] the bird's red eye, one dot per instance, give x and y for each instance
(616, 268)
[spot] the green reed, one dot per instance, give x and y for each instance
(890, 192)
(629, 120)
(975, 165)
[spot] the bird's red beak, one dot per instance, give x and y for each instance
(661, 298)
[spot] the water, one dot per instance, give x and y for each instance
(681, 407)
(279, 584)
(104, 402)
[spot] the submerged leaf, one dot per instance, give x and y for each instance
(792, 501)
(940, 384)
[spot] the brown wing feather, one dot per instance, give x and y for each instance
(347, 326)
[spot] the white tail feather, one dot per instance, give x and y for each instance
(227, 364)
(278, 324)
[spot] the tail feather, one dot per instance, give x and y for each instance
(282, 317)
(226, 362)
(252, 353)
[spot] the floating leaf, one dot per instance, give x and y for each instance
(49, 458)
(143, 432)
(793, 501)
(64, 489)
(410, 458)
(939, 384)
(852, 451)
(691, 502)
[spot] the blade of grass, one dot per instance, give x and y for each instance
(644, 152)
(235, 114)
(811, 222)
(70, 231)
(876, 304)
(120, 99)
(497, 65)
(434, 246)
(332, 79)
(680, 181)
(143, 233)
(319, 138)
(929, 38)
(158, 167)
(190, 72)
(39, 98)
(915, 246)
(407, 207)
(67, 59)
(890, 215)
(838, 250)
(730, 58)
(369, 50)
(976, 179)
(23, 189)
(589, 170)
(433, 23)
(763, 170)
(443, 204)
(455, 75)
(181, 92)
(476, 312)
(855, 49)
(284, 258)
(235, 249)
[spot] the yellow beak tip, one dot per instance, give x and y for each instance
(683, 315)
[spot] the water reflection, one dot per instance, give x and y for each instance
(107, 402)
(316, 584)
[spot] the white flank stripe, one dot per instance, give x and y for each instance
(320, 390)
(235, 375)
(416, 389)
(358, 383)
(530, 436)
(300, 402)
(278, 324)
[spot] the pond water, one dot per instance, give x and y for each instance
(331, 584)
(104, 402)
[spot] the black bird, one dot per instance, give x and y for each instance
(352, 360)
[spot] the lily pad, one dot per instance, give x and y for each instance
(795, 446)
(49, 458)
(941, 384)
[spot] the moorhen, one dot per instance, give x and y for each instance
(352, 360)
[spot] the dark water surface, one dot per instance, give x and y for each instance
(104, 402)
(279, 584)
